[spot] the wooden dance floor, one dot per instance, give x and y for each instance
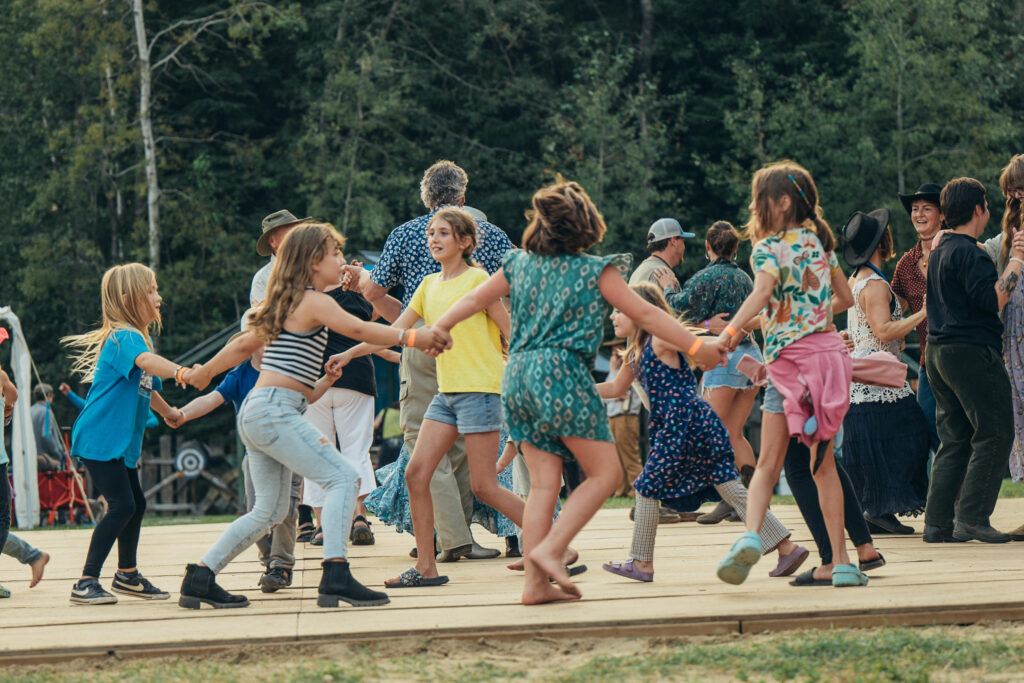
(922, 584)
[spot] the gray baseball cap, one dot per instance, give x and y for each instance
(663, 228)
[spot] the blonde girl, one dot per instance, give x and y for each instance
(691, 458)
(468, 402)
(293, 322)
(796, 276)
(118, 359)
(549, 401)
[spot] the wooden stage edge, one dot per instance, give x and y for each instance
(922, 584)
(948, 615)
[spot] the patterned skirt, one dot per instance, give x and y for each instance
(390, 500)
(1013, 356)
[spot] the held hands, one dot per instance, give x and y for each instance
(335, 363)
(711, 354)
(1017, 247)
(175, 419)
(196, 377)
(666, 278)
(433, 340)
(333, 373)
(350, 277)
(730, 342)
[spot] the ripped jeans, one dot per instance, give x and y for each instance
(279, 441)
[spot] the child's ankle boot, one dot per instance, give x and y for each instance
(200, 585)
(337, 583)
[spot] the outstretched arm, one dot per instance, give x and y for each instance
(474, 301)
(875, 300)
(233, 353)
(198, 407)
(619, 385)
(708, 354)
(499, 314)
(752, 306)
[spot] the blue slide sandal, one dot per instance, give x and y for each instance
(745, 552)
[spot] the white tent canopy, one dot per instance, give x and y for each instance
(23, 446)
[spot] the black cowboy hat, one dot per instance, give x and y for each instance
(861, 235)
(929, 192)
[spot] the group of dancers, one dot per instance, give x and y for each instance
(514, 351)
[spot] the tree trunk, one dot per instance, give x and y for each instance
(148, 141)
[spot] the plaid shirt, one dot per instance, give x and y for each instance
(909, 282)
(406, 259)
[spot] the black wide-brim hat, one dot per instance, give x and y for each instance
(928, 192)
(861, 235)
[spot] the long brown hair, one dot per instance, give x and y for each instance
(303, 246)
(125, 300)
(786, 179)
(1012, 178)
(563, 221)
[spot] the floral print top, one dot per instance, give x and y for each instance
(801, 302)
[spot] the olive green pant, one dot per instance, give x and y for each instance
(450, 486)
(974, 416)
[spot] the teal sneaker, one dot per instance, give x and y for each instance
(745, 553)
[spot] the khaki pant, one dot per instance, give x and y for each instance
(626, 432)
(450, 486)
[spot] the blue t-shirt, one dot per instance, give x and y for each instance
(110, 425)
(237, 384)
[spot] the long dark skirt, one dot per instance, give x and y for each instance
(885, 452)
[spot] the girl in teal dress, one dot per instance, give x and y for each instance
(550, 403)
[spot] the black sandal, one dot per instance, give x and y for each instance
(361, 535)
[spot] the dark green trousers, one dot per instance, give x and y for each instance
(974, 416)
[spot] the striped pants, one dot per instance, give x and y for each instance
(645, 526)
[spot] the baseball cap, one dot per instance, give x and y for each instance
(663, 228)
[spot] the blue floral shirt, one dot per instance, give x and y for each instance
(406, 260)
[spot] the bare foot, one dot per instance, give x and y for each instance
(823, 572)
(546, 593)
(38, 567)
(549, 566)
(571, 557)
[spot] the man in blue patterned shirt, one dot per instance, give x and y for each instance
(405, 261)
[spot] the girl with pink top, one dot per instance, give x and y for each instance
(799, 285)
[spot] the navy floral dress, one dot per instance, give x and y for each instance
(690, 449)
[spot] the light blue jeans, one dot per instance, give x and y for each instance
(279, 441)
(21, 550)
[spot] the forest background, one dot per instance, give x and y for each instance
(164, 131)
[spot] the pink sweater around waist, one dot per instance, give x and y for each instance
(813, 375)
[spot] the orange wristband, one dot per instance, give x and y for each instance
(411, 341)
(695, 347)
(730, 330)
(178, 374)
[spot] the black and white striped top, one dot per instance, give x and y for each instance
(298, 355)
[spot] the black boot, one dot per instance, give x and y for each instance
(200, 585)
(337, 583)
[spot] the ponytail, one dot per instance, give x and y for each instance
(828, 240)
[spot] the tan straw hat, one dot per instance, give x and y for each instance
(278, 219)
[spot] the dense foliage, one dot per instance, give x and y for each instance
(335, 107)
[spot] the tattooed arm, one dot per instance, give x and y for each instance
(1010, 279)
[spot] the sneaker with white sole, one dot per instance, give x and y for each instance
(135, 584)
(90, 592)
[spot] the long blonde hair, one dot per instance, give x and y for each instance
(303, 246)
(652, 295)
(126, 306)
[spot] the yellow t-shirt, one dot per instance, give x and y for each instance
(474, 363)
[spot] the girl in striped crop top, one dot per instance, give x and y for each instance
(293, 322)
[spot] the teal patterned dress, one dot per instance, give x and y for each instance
(557, 323)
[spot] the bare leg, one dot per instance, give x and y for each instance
(38, 567)
(545, 483)
(830, 497)
(599, 460)
(774, 437)
(733, 407)
(480, 450)
(435, 438)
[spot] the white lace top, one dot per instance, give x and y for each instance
(865, 342)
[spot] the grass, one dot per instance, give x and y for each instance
(889, 654)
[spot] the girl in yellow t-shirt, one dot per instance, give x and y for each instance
(468, 402)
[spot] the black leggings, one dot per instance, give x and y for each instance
(5, 504)
(125, 507)
(801, 482)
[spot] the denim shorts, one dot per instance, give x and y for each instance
(729, 376)
(471, 412)
(772, 401)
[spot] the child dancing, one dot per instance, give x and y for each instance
(549, 400)
(293, 321)
(118, 359)
(691, 458)
(795, 275)
(468, 402)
